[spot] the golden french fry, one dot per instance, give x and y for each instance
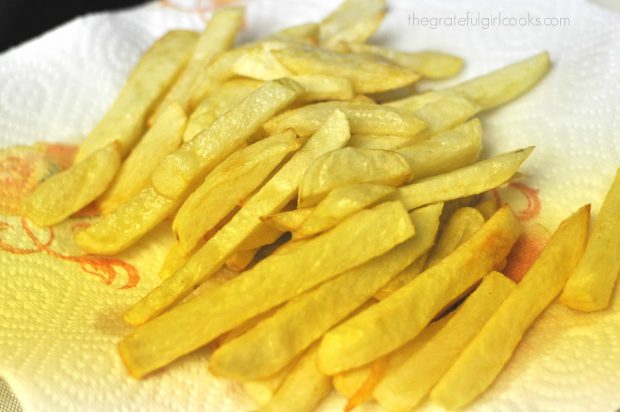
(484, 358)
(218, 36)
(135, 172)
(430, 64)
(359, 340)
(373, 141)
(590, 286)
(417, 101)
(404, 277)
(305, 33)
(446, 151)
(267, 348)
(66, 192)
(123, 227)
(341, 203)
(463, 182)
(274, 280)
(272, 197)
(262, 390)
(348, 166)
(354, 21)
(182, 169)
(444, 114)
(175, 259)
(404, 387)
(259, 63)
(287, 221)
(359, 383)
(320, 87)
(241, 259)
(364, 118)
(505, 84)
(303, 388)
(217, 103)
(262, 236)
(463, 223)
(229, 183)
(367, 73)
(158, 68)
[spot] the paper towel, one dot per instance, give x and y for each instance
(59, 312)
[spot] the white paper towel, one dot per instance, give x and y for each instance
(60, 354)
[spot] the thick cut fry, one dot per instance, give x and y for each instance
(430, 64)
(182, 169)
(303, 388)
(275, 341)
(486, 355)
(463, 182)
(405, 386)
(446, 151)
(135, 172)
(158, 68)
(288, 221)
(364, 118)
(217, 103)
(367, 73)
(272, 197)
(227, 185)
(505, 84)
(354, 380)
(404, 277)
(218, 36)
(341, 203)
(591, 285)
(318, 87)
(262, 390)
(66, 192)
(120, 229)
(349, 166)
(463, 223)
(241, 260)
(273, 280)
(379, 329)
(444, 114)
(371, 141)
(354, 21)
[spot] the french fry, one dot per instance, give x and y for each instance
(351, 22)
(367, 73)
(287, 221)
(66, 192)
(241, 259)
(270, 340)
(272, 281)
(218, 36)
(318, 87)
(404, 387)
(359, 383)
(487, 205)
(370, 141)
(359, 340)
(303, 388)
(114, 232)
(430, 64)
(590, 286)
(417, 101)
(348, 166)
(182, 169)
(152, 76)
(262, 390)
(404, 277)
(305, 33)
(483, 359)
(262, 236)
(444, 114)
(364, 118)
(463, 182)
(229, 183)
(217, 103)
(463, 223)
(175, 259)
(273, 196)
(446, 151)
(341, 203)
(505, 84)
(134, 174)
(260, 64)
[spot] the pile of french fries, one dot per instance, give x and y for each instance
(330, 222)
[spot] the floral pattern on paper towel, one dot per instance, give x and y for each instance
(22, 168)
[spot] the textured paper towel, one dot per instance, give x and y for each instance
(59, 311)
